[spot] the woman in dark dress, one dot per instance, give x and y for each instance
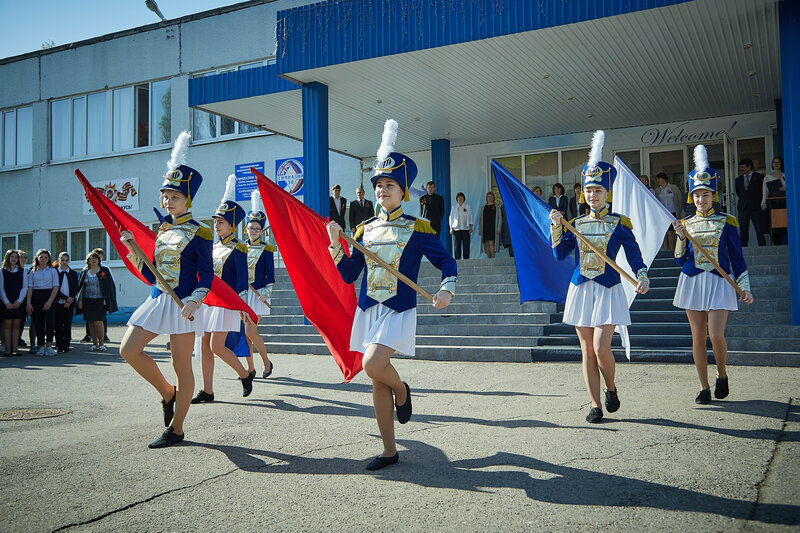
(489, 225)
(15, 289)
(97, 295)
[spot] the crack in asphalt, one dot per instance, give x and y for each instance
(767, 470)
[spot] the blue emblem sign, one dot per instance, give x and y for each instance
(245, 180)
(289, 176)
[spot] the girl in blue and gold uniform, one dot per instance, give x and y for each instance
(386, 319)
(702, 291)
(230, 265)
(183, 257)
(261, 277)
(596, 302)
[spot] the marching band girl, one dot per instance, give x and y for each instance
(702, 291)
(261, 278)
(596, 302)
(230, 265)
(386, 318)
(183, 257)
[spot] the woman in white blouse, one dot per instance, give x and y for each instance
(42, 290)
(774, 184)
(461, 225)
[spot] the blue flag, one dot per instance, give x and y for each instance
(539, 275)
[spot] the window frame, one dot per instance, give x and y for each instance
(15, 151)
(560, 179)
(237, 134)
(108, 135)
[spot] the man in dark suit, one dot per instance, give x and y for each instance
(749, 191)
(431, 207)
(338, 205)
(65, 302)
(361, 209)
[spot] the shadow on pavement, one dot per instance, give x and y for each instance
(366, 387)
(329, 407)
(428, 466)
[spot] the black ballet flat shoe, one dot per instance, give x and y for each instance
(721, 388)
(203, 397)
(169, 408)
(382, 462)
(268, 373)
(168, 438)
(703, 397)
(247, 384)
(404, 411)
(595, 415)
(612, 401)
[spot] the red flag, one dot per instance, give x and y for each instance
(327, 301)
(115, 220)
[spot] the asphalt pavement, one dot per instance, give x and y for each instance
(491, 447)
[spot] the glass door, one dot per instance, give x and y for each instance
(670, 161)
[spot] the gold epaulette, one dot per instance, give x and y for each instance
(572, 222)
(625, 221)
(423, 226)
(730, 219)
(360, 228)
(205, 233)
(269, 248)
(241, 247)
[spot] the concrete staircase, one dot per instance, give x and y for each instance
(486, 322)
(757, 334)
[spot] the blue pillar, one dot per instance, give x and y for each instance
(789, 13)
(315, 147)
(440, 171)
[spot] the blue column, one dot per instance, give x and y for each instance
(440, 171)
(789, 13)
(315, 147)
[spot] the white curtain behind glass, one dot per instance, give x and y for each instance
(79, 126)
(24, 136)
(59, 134)
(96, 123)
(122, 138)
(9, 138)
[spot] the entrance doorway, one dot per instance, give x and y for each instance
(676, 162)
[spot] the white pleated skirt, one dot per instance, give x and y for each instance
(704, 292)
(161, 315)
(221, 319)
(382, 325)
(256, 305)
(590, 304)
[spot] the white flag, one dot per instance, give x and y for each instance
(650, 221)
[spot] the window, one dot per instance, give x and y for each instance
(78, 243)
(208, 126)
(545, 169)
(23, 241)
(16, 137)
(633, 160)
(110, 121)
(753, 149)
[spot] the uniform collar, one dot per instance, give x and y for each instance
(599, 214)
(394, 215)
(184, 218)
(227, 239)
(255, 242)
(706, 214)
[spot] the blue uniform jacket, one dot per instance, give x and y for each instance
(193, 268)
(620, 236)
(729, 252)
(265, 269)
(234, 270)
(421, 241)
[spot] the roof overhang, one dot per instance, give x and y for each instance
(684, 60)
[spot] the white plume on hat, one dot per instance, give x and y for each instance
(596, 153)
(387, 141)
(178, 156)
(255, 200)
(700, 159)
(230, 189)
